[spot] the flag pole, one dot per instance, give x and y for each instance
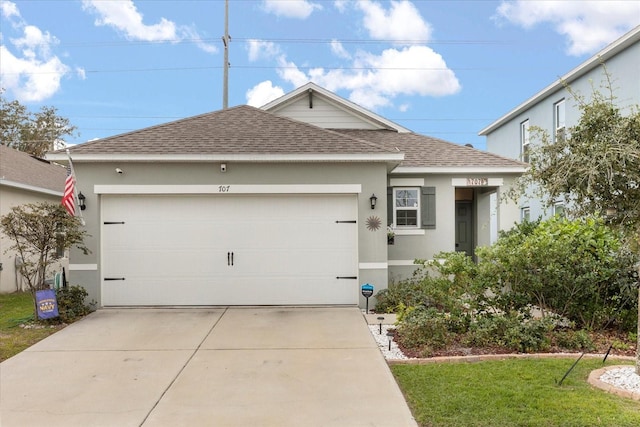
(75, 188)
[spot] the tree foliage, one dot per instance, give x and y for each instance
(32, 132)
(38, 233)
(578, 269)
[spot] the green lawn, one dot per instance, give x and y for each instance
(513, 392)
(15, 309)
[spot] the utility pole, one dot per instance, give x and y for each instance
(225, 41)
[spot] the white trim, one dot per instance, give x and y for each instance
(402, 263)
(229, 189)
(459, 169)
(206, 158)
(373, 266)
(491, 182)
(603, 56)
(83, 267)
(409, 232)
(29, 187)
(406, 182)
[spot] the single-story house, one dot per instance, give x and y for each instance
(284, 205)
(24, 179)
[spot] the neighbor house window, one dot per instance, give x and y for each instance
(524, 140)
(559, 119)
(558, 209)
(525, 214)
(406, 207)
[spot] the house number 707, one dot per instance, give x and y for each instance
(223, 188)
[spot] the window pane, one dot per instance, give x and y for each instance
(407, 198)
(560, 115)
(407, 217)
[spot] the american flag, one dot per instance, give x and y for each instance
(68, 198)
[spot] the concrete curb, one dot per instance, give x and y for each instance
(594, 380)
(485, 357)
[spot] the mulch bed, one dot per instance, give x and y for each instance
(601, 340)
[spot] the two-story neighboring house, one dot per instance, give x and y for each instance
(554, 109)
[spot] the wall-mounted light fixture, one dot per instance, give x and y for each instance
(81, 201)
(119, 171)
(373, 199)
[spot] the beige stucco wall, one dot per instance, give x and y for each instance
(407, 248)
(10, 197)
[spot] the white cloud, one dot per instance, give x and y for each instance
(339, 50)
(588, 25)
(259, 49)
(341, 5)
(401, 22)
(373, 81)
(9, 9)
(31, 78)
(81, 73)
(125, 17)
(263, 93)
(300, 9)
(29, 69)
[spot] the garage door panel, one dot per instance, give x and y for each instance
(175, 250)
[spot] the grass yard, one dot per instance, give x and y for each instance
(16, 309)
(512, 392)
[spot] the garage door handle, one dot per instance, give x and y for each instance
(347, 277)
(229, 258)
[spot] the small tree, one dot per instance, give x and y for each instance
(39, 232)
(594, 166)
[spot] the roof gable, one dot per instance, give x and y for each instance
(313, 104)
(18, 169)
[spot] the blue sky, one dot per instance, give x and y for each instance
(441, 68)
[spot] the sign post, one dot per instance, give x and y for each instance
(367, 291)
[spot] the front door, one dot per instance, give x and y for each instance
(464, 227)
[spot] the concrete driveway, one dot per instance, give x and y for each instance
(205, 367)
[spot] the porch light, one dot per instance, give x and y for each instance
(81, 199)
(373, 199)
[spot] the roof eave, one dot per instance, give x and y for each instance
(248, 158)
(460, 169)
(611, 50)
(27, 187)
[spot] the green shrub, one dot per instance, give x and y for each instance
(71, 303)
(425, 328)
(578, 269)
(512, 332)
(573, 340)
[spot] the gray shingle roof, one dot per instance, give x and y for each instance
(237, 130)
(425, 151)
(22, 168)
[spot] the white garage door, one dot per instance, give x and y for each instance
(229, 250)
